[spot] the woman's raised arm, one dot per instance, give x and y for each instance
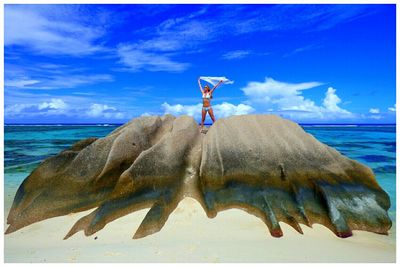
(212, 90)
(201, 88)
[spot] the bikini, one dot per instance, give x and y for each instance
(207, 96)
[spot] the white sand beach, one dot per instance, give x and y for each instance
(190, 236)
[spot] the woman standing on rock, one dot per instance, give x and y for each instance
(207, 95)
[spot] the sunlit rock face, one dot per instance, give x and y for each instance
(263, 164)
(273, 169)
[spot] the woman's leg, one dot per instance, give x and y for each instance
(203, 117)
(210, 111)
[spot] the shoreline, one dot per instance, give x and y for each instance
(190, 236)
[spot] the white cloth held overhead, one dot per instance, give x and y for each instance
(215, 80)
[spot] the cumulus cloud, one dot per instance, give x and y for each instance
(54, 106)
(227, 109)
(178, 109)
(220, 110)
(16, 109)
(331, 102)
(57, 106)
(286, 98)
(272, 90)
(374, 110)
(105, 111)
(277, 97)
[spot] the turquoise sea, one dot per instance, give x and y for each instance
(25, 146)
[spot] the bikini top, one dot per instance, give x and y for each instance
(207, 95)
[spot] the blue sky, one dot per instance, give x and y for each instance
(111, 63)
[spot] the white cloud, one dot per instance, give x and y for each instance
(57, 106)
(273, 88)
(227, 109)
(40, 76)
(220, 110)
(285, 95)
(392, 109)
(16, 109)
(331, 102)
(277, 97)
(97, 110)
(374, 111)
(20, 83)
(286, 98)
(101, 110)
(236, 54)
(158, 51)
(181, 33)
(375, 117)
(195, 31)
(50, 30)
(70, 81)
(178, 109)
(53, 104)
(119, 115)
(302, 49)
(137, 59)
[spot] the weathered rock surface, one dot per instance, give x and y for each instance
(262, 164)
(272, 168)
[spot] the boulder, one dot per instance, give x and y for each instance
(263, 164)
(273, 169)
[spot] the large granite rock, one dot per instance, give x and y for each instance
(262, 164)
(273, 169)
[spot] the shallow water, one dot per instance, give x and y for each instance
(26, 146)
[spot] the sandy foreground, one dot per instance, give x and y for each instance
(190, 236)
